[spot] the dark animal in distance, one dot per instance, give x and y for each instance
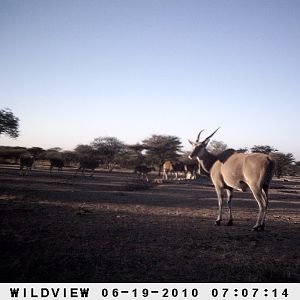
(193, 169)
(232, 170)
(56, 163)
(173, 169)
(143, 171)
(87, 163)
(178, 167)
(26, 163)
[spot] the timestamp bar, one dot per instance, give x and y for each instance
(145, 291)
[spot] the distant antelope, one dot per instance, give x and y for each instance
(173, 169)
(26, 163)
(56, 163)
(193, 169)
(167, 169)
(178, 167)
(143, 171)
(87, 163)
(232, 170)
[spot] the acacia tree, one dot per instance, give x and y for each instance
(160, 148)
(263, 149)
(12, 153)
(36, 152)
(296, 168)
(216, 147)
(108, 148)
(284, 163)
(84, 151)
(242, 150)
(133, 156)
(69, 157)
(9, 124)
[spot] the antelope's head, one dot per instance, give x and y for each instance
(199, 148)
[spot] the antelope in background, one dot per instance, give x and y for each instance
(175, 169)
(56, 163)
(167, 169)
(143, 170)
(26, 163)
(87, 163)
(232, 170)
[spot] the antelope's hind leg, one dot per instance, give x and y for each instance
(220, 203)
(262, 201)
(229, 198)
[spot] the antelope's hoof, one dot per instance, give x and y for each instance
(218, 223)
(230, 223)
(259, 228)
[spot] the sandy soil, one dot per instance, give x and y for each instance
(114, 228)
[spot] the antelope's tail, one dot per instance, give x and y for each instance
(270, 168)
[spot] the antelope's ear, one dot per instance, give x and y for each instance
(192, 143)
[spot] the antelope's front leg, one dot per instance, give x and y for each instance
(220, 203)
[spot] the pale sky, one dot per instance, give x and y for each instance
(74, 70)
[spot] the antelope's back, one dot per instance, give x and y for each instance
(258, 167)
(238, 169)
(252, 168)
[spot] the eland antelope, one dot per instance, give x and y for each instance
(192, 169)
(87, 163)
(143, 170)
(232, 170)
(56, 163)
(26, 163)
(167, 169)
(179, 168)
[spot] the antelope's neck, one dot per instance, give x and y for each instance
(207, 161)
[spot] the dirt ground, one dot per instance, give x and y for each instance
(114, 228)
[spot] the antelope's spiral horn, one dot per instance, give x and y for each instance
(212, 134)
(198, 137)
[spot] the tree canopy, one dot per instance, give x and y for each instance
(9, 124)
(84, 151)
(217, 147)
(263, 149)
(285, 163)
(108, 148)
(160, 148)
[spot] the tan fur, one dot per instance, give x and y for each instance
(167, 169)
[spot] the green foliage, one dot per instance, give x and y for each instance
(263, 149)
(84, 151)
(128, 159)
(11, 153)
(296, 168)
(284, 163)
(9, 124)
(131, 157)
(53, 153)
(108, 149)
(36, 152)
(69, 157)
(216, 147)
(242, 150)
